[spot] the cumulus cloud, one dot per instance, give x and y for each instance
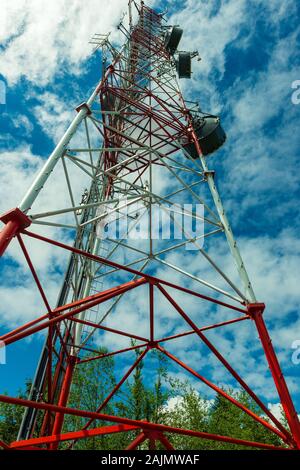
(53, 115)
(42, 38)
(17, 169)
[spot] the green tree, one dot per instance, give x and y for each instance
(143, 399)
(227, 419)
(92, 383)
(11, 417)
(219, 417)
(190, 411)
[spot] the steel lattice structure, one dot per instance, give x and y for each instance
(126, 140)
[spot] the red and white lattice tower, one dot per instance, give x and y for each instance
(141, 152)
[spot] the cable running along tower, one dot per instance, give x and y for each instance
(129, 172)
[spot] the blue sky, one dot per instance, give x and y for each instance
(250, 58)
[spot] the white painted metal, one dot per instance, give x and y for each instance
(59, 150)
(249, 293)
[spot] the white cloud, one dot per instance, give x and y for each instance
(211, 27)
(53, 115)
(22, 302)
(44, 37)
(277, 410)
(267, 93)
(273, 263)
(177, 402)
(17, 169)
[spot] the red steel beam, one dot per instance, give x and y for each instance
(83, 301)
(151, 310)
(63, 398)
(15, 221)
(154, 436)
(119, 384)
(120, 351)
(106, 328)
(141, 424)
(226, 364)
(202, 328)
(101, 298)
(56, 386)
(153, 279)
(34, 274)
(165, 442)
(256, 312)
(224, 394)
(137, 441)
(4, 445)
(70, 436)
(21, 328)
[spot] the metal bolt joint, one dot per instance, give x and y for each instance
(16, 216)
(84, 106)
(255, 309)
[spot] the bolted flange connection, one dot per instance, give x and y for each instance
(15, 221)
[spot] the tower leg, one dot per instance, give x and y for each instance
(137, 441)
(15, 221)
(7, 234)
(256, 313)
(63, 399)
(165, 442)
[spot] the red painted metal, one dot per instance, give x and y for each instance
(203, 328)
(34, 274)
(63, 398)
(15, 221)
(151, 311)
(165, 442)
(137, 441)
(223, 361)
(65, 389)
(120, 351)
(106, 328)
(99, 298)
(152, 279)
(132, 422)
(225, 395)
(117, 387)
(256, 312)
(4, 445)
(70, 436)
